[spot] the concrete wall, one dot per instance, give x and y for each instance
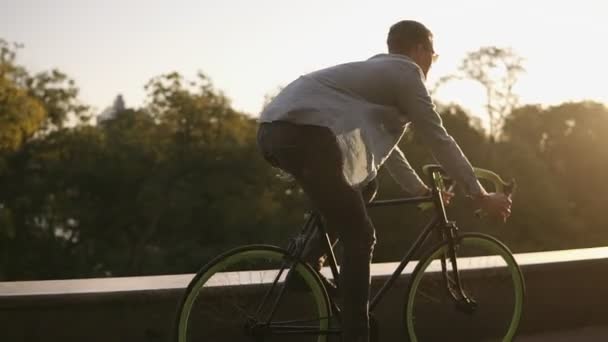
(566, 290)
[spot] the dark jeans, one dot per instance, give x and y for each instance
(311, 154)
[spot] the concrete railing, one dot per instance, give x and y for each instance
(566, 291)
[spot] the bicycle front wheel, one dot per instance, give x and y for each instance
(245, 295)
(488, 308)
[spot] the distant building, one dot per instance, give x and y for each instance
(111, 112)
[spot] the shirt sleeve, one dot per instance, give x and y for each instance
(414, 101)
(401, 171)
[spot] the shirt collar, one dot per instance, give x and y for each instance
(393, 55)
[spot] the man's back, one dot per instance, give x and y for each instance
(345, 89)
(376, 80)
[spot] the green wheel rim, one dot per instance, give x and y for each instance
(241, 254)
(490, 244)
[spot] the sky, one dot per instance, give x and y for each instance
(251, 48)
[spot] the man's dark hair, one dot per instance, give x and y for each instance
(406, 34)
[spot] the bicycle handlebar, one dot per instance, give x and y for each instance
(500, 185)
(484, 174)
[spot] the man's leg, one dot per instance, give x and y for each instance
(313, 157)
(315, 253)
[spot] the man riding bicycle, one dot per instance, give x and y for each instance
(332, 130)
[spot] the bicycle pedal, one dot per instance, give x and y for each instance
(336, 311)
(330, 287)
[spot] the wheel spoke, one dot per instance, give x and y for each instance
(222, 301)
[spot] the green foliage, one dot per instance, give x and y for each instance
(59, 96)
(53, 90)
(157, 189)
(21, 115)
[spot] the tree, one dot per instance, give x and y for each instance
(143, 193)
(29, 106)
(223, 193)
(569, 140)
(21, 115)
(496, 69)
(52, 91)
(59, 96)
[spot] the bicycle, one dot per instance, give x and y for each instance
(266, 293)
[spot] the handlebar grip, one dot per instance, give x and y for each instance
(499, 184)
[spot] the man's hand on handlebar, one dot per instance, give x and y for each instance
(494, 204)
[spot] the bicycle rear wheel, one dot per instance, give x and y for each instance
(232, 297)
(491, 279)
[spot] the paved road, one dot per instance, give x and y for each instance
(588, 334)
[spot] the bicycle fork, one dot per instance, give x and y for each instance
(462, 300)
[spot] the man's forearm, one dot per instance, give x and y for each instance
(402, 172)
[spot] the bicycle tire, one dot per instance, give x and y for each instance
(223, 297)
(495, 282)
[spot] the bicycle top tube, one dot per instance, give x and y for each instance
(399, 201)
